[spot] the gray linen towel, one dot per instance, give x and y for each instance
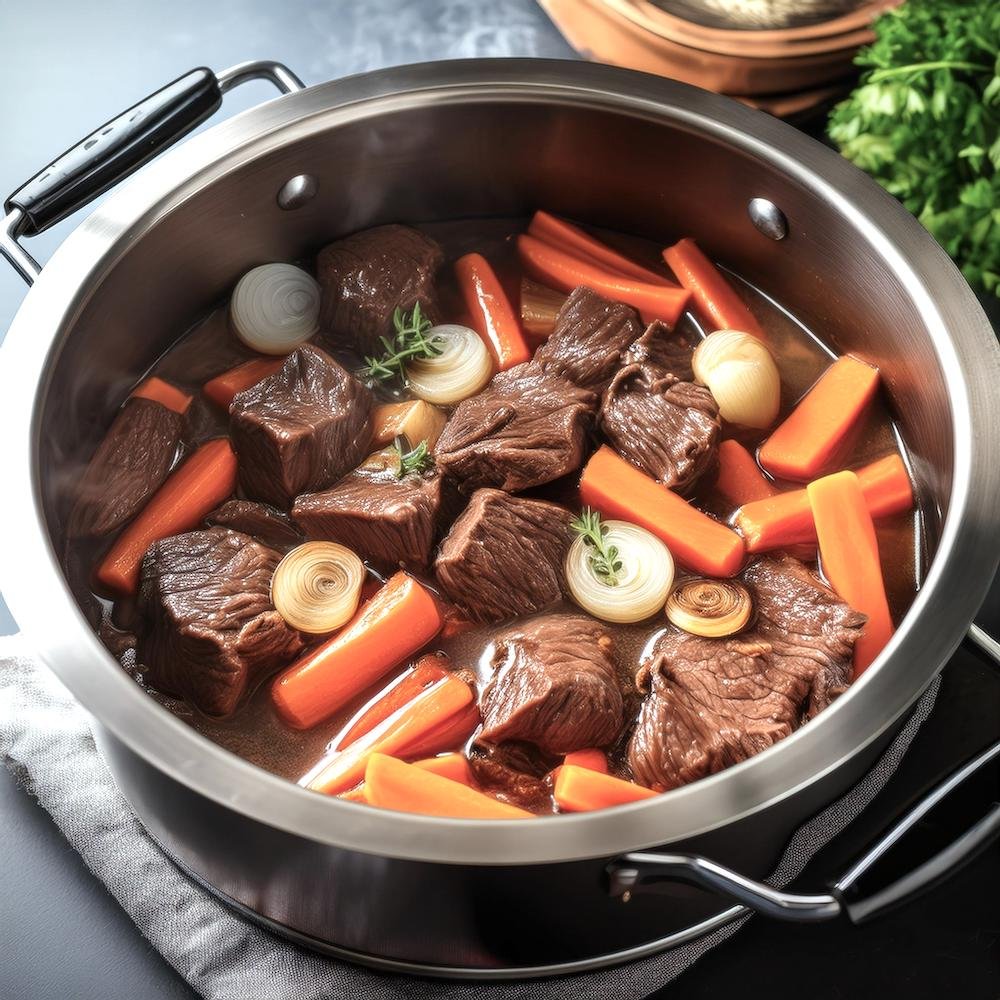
(45, 740)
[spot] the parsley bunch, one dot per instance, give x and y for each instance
(925, 123)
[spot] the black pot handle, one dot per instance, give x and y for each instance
(640, 872)
(119, 147)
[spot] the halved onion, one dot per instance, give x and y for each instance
(740, 371)
(461, 369)
(317, 586)
(275, 307)
(644, 580)
(711, 608)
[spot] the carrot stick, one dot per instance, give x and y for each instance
(572, 239)
(163, 393)
(740, 480)
(454, 766)
(593, 760)
(221, 389)
(402, 690)
(345, 768)
(448, 735)
(558, 269)
(848, 549)
(190, 492)
(809, 436)
(397, 621)
(617, 488)
(493, 317)
(391, 784)
(353, 794)
(786, 518)
(579, 789)
(714, 296)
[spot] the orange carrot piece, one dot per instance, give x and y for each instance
(493, 317)
(579, 789)
(712, 293)
(564, 235)
(221, 389)
(402, 690)
(618, 489)
(810, 435)
(848, 549)
(397, 621)
(191, 491)
(353, 794)
(561, 270)
(163, 393)
(450, 734)
(786, 519)
(391, 784)
(593, 760)
(345, 768)
(454, 766)
(740, 480)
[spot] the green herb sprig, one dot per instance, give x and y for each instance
(925, 123)
(604, 558)
(410, 341)
(410, 459)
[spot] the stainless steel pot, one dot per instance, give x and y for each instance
(447, 140)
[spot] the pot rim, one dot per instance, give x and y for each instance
(956, 583)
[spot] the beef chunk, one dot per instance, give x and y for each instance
(127, 468)
(554, 685)
(387, 520)
(211, 632)
(715, 702)
(267, 525)
(365, 277)
(527, 427)
(667, 350)
(299, 429)
(590, 336)
(669, 429)
(504, 556)
(508, 784)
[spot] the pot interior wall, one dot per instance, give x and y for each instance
(486, 158)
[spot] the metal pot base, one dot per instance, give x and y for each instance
(402, 967)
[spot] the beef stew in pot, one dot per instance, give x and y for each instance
(557, 525)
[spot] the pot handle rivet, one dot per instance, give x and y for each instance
(296, 191)
(768, 218)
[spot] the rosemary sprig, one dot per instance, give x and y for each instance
(604, 559)
(411, 459)
(409, 341)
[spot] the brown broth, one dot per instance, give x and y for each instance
(257, 734)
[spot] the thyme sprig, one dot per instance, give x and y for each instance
(410, 341)
(411, 459)
(604, 559)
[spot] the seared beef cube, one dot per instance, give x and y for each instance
(504, 556)
(129, 466)
(267, 525)
(365, 277)
(387, 520)
(527, 427)
(211, 632)
(664, 348)
(715, 702)
(667, 428)
(299, 429)
(554, 685)
(590, 336)
(509, 784)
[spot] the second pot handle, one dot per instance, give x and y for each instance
(118, 148)
(647, 871)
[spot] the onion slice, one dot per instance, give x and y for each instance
(643, 582)
(461, 369)
(712, 608)
(275, 307)
(317, 586)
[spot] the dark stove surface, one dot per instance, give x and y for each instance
(69, 66)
